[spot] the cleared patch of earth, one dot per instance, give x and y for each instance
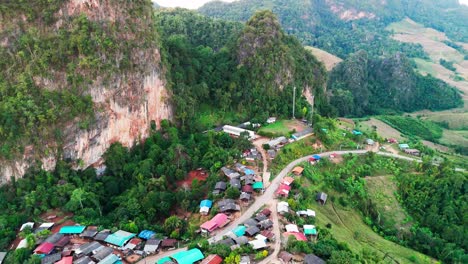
(433, 44)
(382, 191)
(328, 59)
(383, 129)
(436, 146)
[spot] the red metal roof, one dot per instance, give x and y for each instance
(298, 236)
(44, 248)
(247, 188)
(218, 220)
(212, 259)
(283, 189)
(65, 260)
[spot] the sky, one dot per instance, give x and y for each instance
(191, 4)
(194, 4)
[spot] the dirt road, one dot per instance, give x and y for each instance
(258, 143)
(267, 197)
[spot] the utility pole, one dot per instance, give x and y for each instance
(294, 101)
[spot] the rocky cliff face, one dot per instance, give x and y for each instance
(126, 101)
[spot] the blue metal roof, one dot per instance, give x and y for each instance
(249, 172)
(317, 157)
(206, 203)
(357, 132)
(146, 234)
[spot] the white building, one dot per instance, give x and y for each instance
(236, 131)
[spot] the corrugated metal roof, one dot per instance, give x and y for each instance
(72, 229)
(188, 257)
(119, 238)
(111, 259)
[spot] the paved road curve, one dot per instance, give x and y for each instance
(268, 198)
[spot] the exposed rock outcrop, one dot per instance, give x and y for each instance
(126, 102)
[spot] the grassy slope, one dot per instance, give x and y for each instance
(382, 191)
(328, 59)
(280, 127)
(348, 226)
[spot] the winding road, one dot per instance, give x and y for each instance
(268, 198)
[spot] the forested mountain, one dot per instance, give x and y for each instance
(362, 85)
(382, 76)
(76, 76)
(342, 27)
(249, 69)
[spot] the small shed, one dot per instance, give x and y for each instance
(102, 235)
(291, 228)
(119, 238)
(29, 225)
(413, 152)
(247, 189)
(147, 234)
(258, 185)
(221, 186)
(297, 235)
(285, 257)
(271, 120)
(227, 241)
(51, 259)
(250, 222)
(242, 240)
(357, 132)
(283, 207)
(152, 245)
(245, 260)
(370, 142)
(54, 238)
(235, 183)
(258, 244)
(89, 233)
(245, 197)
(297, 170)
(205, 206)
(102, 253)
(306, 213)
(321, 198)
(212, 259)
(312, 259)
(168, 243)
(111, 259)
(62, 242)
(260, 217)
(310, 230)
(239, 230)
(265, 224)
(252, 231)
(287, 180)
(72, 230)
(403, 146)
(268, 234)
(44, 248)
(266, 212)
(283, 190)
(65, 260)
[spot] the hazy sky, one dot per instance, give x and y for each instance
(193, 4)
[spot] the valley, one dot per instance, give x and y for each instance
(249, 131)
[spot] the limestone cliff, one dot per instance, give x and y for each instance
(108, 53)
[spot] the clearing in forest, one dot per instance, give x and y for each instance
(435, 45)
(348, 227)
(383, 129)
(282, 127)
(382, 191)
(328, 59)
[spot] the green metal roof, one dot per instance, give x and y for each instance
(164, 260)
(72, 229)
(189, 256)
(119, 238)
(311, 231)
(258, 185)
(239, 230)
